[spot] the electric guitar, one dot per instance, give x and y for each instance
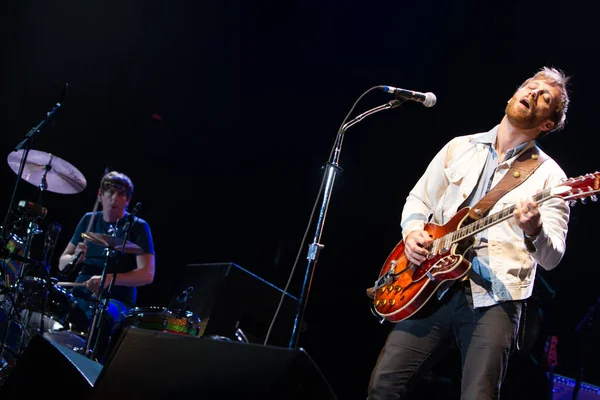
(403, 288)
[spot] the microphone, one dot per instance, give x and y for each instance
(183, 296)
(131, 216)
(32, 209)
(428, 99)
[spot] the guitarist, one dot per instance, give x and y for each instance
(481, 312)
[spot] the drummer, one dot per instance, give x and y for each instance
(134, 266)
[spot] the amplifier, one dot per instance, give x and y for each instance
(226, 297)
(564, 387)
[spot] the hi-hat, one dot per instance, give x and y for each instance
(112, 242)
(60, 176)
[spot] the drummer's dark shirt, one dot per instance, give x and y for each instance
(95, 259)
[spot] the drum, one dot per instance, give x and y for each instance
(13, 339)
(59, 312)
(163, 319)
(10, 268)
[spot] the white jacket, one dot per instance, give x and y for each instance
(451, 177)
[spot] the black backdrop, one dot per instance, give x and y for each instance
(223, 114)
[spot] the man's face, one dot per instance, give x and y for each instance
(114, 200)
(532, 105)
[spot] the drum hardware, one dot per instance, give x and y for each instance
(238, 336)
(112, 245)
(48, 173)
(184, 297)
(18, 159)
(19, 295)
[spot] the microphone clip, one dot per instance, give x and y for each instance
(131, 218)
(185, 295)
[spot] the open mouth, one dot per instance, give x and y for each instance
(525, 103)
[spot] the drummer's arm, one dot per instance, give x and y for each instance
(67, 256)
(142, 275)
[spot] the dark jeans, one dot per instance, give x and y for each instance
(486, 338)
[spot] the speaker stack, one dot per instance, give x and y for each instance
(147, 364)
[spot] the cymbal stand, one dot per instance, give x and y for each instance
(99, 308)
(332, 168)
(104, 293)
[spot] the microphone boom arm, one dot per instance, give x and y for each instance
(389, 105)
(329, 176)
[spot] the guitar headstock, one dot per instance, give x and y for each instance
(581, 187)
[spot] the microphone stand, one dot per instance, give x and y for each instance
(102, 297)
(332, 168)
(25, 144)
(104, 294)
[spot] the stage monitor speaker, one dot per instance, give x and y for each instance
(147, 364)
(227, 297)
(49, 369)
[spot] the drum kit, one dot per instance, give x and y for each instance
(32, 301)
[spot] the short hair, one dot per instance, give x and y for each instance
(559, 79)
(116, 180)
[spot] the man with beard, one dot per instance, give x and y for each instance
(481, 311)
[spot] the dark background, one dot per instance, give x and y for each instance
(224, 113)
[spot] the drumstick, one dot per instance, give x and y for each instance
(89, 227)
(70, 284)
(92, 218)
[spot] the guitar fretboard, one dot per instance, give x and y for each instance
(473, 228)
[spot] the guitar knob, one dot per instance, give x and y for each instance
(382, 303)
(390, 288)
(392, 302)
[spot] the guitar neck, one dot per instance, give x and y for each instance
(569, 190)
(493, 219)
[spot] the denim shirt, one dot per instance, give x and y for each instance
(506, 268)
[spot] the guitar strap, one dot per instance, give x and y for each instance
(519, 171)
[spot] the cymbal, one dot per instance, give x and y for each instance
(61, 176)
(112, 242)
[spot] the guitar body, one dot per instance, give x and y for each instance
(403, 288)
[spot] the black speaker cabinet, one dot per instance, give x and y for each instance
(147, 364)
(49, 369)
(226, 297)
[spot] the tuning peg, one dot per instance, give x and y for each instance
(572, 203)
(583, 200)
(594, 198)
